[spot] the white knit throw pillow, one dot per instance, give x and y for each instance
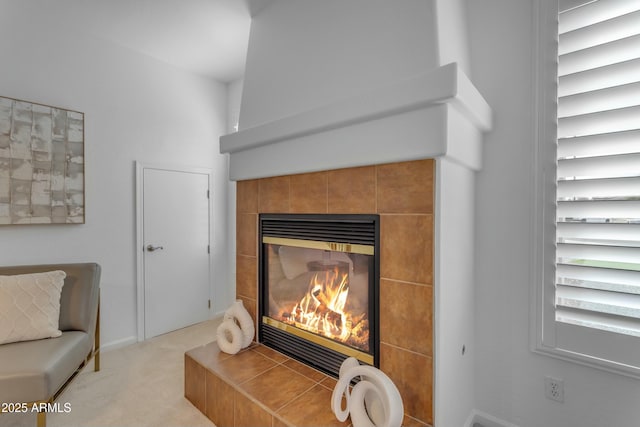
(30, 306)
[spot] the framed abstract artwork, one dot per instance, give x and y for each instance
(41, 164)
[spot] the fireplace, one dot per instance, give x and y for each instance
(408, 152)
(319, 286)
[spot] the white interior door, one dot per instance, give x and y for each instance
(176, 249)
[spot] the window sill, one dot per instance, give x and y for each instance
(589, 361)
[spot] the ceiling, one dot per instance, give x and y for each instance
(207, 37)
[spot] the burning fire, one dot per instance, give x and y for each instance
(322, 310)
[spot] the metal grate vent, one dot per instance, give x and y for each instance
(320, 357)
(355, 229)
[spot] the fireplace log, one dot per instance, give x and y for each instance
(325, 311)
(321, 297)
(333, 317)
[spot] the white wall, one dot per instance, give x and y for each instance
(341, 48)
(454, 294)
(234, 97)
(509, 377)
(136, 108)
(453, 42)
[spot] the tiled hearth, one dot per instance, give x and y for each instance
(257, 387)
(403, 195)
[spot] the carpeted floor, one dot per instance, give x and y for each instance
(139, 385)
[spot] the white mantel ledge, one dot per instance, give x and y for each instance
(436, 114)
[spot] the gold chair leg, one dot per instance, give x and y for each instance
(42, 419)
(96, 351)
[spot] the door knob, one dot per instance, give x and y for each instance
(151, 248)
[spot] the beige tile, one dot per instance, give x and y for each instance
(308, 193)
(277, 387)
(273, 195)
(412, 374)
(220, 401)
(352, 190)
(244, 366)
(271, 354)
(311, 409)
(406, 316)
(406, 187)
(194, 383)
(247, 196)
(412, 422)
(247, 234)
(208, 355)
(249, 414)
(305, 370)
(246, 276)
(329, 383)
(406, 243)
(278, 422)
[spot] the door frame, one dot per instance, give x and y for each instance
(139, 248)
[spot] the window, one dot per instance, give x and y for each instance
(589, 196)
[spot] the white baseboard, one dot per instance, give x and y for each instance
(114, 345)
(486, 420)
(217, 314)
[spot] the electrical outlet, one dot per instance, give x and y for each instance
(554, 389)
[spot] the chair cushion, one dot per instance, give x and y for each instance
(30, 306)
(35, 370)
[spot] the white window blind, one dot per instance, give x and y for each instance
(598, 171)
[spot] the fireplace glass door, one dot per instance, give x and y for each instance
(319, 288)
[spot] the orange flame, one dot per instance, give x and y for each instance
(321, 310)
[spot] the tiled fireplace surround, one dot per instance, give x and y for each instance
(402, 194)
(230, 390)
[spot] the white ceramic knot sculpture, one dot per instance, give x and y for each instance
(374, 401)
(236, 330)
